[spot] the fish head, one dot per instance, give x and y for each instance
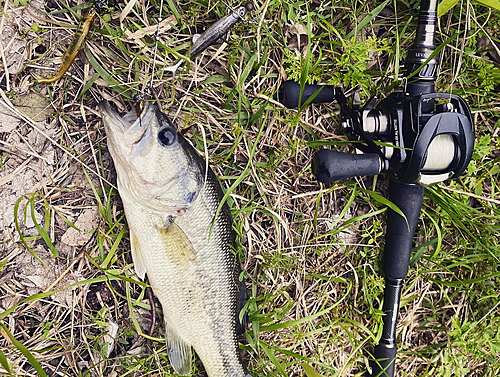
(155, 165)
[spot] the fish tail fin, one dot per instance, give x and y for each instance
(179, 353)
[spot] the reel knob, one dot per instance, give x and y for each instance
(330, 166)
(290, 94)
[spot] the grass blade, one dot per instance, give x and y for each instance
(106, 76)
(310, 372)
(20, 233)
(41, 230)
(367, 19)
(34, 362)
(5, 363)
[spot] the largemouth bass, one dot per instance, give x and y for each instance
(170, 201)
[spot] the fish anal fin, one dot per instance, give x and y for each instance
(177, 245)
(179, 353)
(137, 257)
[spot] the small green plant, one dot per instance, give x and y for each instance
(478, 340)
(3, 158)
(37, 30)
(295, 64)
(42, 230)
(489, 75)
(351, 65)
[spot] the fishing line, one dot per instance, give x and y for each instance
(440, 154)
(157, 33)
(456, 63)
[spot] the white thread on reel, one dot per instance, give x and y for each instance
(440, 153)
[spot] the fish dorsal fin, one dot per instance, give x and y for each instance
(196, 37)
(177, 246)
(179, 352)
(137, 257)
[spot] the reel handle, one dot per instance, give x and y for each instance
(330, 166)
(290, 94)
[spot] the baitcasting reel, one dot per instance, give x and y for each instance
(420, 137)
(425, 138)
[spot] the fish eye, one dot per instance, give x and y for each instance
(166, 137)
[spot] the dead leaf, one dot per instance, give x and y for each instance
(164, 26)
(486, 45)
(85, 223)
(8, 122)
(298, 38)
(35, 106)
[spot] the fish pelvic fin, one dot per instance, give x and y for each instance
(177, 246)
(139, 265)
(179, 353)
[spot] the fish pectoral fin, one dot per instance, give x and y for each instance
(137, 257)
(177, 245)
(179, 352)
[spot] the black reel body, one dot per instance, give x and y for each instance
(442, 141)
(425, 139)
(422, 139)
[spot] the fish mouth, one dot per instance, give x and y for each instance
(132, 126)
(130, 136)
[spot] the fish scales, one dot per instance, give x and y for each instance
(186, 251)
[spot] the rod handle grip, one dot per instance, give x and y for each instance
(400, 231)
(385, 357)
(330, 166)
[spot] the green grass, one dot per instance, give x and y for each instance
(312, 254)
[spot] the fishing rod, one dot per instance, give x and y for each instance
(418, 136)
